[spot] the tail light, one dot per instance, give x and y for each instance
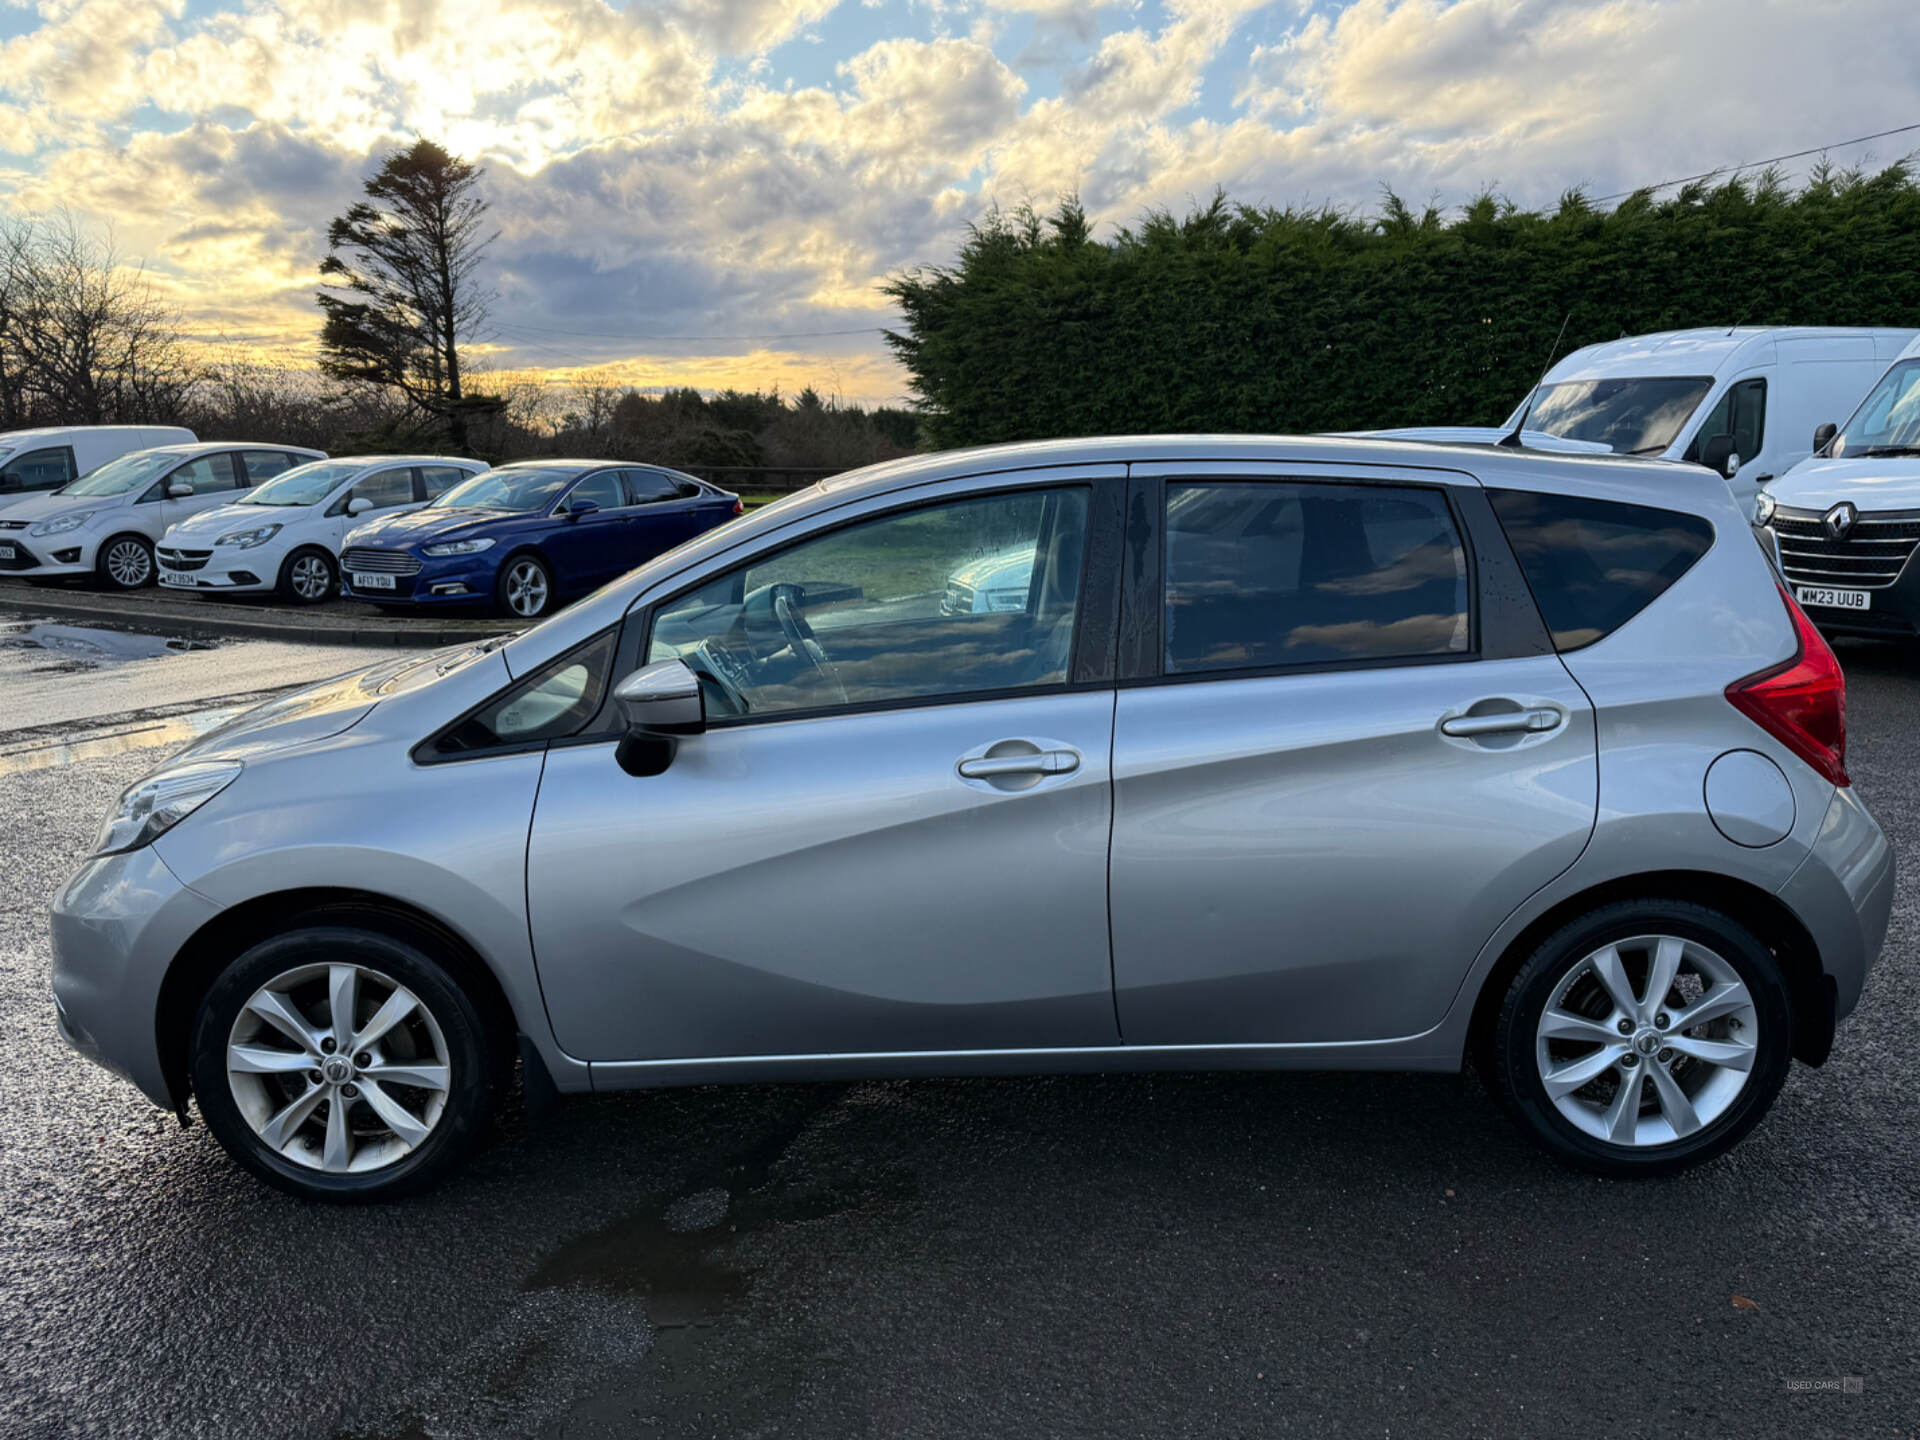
(739, 506)
(1801, 702)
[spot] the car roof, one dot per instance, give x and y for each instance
(1708, 351)
(602, 464)
(202, 447)
(1492, 463)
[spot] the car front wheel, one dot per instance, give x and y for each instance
(1644, 1038)
(342, 1063)
(308, 577)
(125, 562)
(526, 588)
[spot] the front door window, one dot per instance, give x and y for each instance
(971, 597)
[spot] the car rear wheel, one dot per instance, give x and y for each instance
(1644, 1038)
(308, 577)
(341, 1063)
(125, 562)
(526, 588)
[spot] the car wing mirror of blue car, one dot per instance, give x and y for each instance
(660, 704)
(581, 508)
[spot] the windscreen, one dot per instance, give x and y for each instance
(304, 484)
(129, 472)
(1629, 417)
(1888, 421)
(531, 489)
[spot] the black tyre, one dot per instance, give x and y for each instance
(525, 588)
(124, 562)
(385, 1115)
(1643, 1038)
(308, 577)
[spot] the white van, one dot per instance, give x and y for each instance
(1846, 520)
(1741, 401)
(35, 461)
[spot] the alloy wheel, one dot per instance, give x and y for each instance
(1646, 1041)
(526, 588)
(310, 577)
(338, 1067)
(129, 564)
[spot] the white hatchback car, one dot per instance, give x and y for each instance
(286, 535)
(106, 523)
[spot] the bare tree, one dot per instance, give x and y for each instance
(84, 338)
(402, 292)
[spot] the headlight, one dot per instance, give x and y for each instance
(1007, 599)
(160, 802)
(1763, 509)
(247, 539)
(457, 547)
(62, 525)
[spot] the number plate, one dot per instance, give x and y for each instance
(371, 582)
(175, 577)
(1833, 599)
(7, 552)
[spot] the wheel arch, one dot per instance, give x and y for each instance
(533, 548)
(229, 934)
(1811, 990)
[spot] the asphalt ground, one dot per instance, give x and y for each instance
(1116, 1256)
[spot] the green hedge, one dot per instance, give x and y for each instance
(1245, 319)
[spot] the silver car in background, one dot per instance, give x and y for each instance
(1239, 753)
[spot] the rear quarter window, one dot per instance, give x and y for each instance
(1595, 564)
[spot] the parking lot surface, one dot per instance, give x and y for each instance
(1150, 1255)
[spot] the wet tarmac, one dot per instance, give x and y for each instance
(1095, 1256)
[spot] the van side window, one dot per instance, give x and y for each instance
(1741, 413)
(46, 469)
(1595, 564)
(1261, 574)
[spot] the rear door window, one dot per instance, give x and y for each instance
(648, 486)
(441, 478)
(263, 465)
(1595, 564)
(1262, 574)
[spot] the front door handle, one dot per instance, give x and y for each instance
(1038, 762)
(1505, 722)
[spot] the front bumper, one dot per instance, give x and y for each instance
(37, 555)
(1879, 542)
(451, 580)
(183, 568)
(1843, 894)
(116, 928)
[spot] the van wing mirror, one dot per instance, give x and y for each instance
(1823, 436)
(1718, 455)
(659, 704)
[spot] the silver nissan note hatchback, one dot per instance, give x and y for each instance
(1138, 753)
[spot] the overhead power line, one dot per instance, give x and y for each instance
(1756, 164)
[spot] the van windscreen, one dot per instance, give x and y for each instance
(1628, 416)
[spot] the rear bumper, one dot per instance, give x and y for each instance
(116, 928)
(1843, 894)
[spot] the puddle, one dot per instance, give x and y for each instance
(47, 755)
(92, 646)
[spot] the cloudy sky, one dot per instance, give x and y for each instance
(709, 193)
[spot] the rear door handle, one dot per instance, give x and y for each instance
(1507, 721)
(1044, 762)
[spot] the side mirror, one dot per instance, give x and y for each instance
(1823, 437)
(580, 508)
(659, 703)
(1717, 455)
(359, 505)
(10, 480)
(180, 489)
